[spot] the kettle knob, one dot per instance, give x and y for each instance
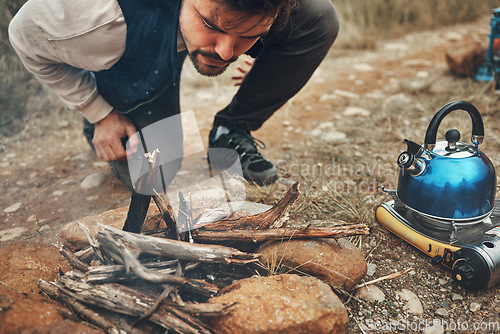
(452, 136)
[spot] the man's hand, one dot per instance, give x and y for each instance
(108, 134)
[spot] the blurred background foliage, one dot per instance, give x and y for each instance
(26, 106)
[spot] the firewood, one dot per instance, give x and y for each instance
(261, 235)
(115, 240)
(119, 250)
(94, 318)
(74, 260)
(168, 217)
(275, 217)
(168, 289)
(93, 244)
(86, 255)
(117, 273)
(125, 300)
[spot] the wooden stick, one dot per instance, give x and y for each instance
(93, 243)
(167, 290)
(117, 273)
(254, 236)
(273, 218)
(73, 260)
(168, 216)
(390, 276)
(86, 255)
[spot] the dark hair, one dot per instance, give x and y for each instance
(280, 9)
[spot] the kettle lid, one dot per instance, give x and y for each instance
(452, 148)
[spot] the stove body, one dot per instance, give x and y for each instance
(470, 248)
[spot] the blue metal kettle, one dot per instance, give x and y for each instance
(448, 180)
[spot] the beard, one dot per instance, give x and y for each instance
(207, 69)
(196, 57)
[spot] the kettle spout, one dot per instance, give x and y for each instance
(408, 160)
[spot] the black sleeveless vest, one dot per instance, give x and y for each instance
(149, 63)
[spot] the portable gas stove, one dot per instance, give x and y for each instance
(470, 248)
(445, 202)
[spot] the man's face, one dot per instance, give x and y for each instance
(215, 36)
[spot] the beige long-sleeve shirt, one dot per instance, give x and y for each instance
(62, 41)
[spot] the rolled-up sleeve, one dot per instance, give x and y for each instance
(62, 41)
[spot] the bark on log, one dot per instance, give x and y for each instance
(119, 250)
(261, 235)
(168, 217)
(117, 273)
(94, 318)
(275, 217)
(110, 237)
(125, 300)
(74, 260)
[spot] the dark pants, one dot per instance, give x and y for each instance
(289, 58)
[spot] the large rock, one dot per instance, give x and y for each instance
(336, 261)
(281, 304)
(72, 236)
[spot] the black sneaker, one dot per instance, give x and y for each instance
(255, 167)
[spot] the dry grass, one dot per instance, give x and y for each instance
(363, 22)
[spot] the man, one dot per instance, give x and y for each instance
(118, 63)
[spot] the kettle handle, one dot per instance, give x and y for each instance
(477, 123)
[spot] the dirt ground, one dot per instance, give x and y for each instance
(342, 132)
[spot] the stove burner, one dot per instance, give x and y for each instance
(444, 224)
(435, 223)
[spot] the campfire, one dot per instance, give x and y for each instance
(160, 278)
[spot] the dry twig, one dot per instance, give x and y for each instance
(383, 278)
